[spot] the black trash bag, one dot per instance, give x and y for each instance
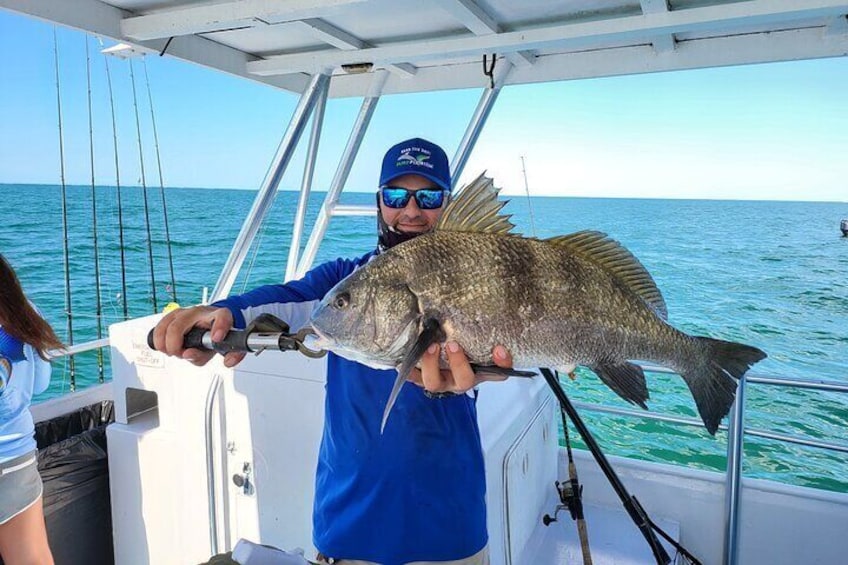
(74, 467)
(68, 425)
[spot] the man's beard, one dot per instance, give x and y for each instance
(388, 237)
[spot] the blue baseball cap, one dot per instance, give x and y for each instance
(416, 157)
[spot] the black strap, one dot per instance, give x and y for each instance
(489, 70)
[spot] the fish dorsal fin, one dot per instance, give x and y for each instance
(607, 253)
(476, 209)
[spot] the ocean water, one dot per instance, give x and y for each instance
(771, 274)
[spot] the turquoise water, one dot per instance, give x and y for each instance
(771, 274)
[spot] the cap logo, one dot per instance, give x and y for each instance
(414, 156)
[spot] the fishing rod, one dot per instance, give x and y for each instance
(571, 497)
(631, 504)
(124, 301)
(529, 204)
(98, 302)
(161, 183)
(144, 192)
(68, 302)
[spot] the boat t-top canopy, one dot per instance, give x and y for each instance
(339, 48)
(440, 44)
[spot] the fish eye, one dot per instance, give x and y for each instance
(341, 301)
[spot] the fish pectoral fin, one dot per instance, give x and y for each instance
(401, 378)
(626, 380)
(431, 332)
(480, 370)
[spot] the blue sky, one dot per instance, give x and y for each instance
(761, 132)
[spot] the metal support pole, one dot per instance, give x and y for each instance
(360, 126)
(265, 197)
(211, 494)
(475, 125)
(306, 183)
(735, 437)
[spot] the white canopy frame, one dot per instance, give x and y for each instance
(437, 45)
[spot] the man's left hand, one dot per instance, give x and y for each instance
(460, 377)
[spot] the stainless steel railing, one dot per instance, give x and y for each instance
(736, 432)
(736, 429)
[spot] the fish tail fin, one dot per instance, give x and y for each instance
(713, 383)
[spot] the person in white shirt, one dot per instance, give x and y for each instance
(24, 371)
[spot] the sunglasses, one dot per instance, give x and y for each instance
(425, 198)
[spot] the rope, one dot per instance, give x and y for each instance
(69, 313)
(118, 186)
(161, 185)
(144, 190)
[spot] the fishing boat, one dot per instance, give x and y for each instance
(199, 458)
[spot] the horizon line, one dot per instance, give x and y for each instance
(509, 194)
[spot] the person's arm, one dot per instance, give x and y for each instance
(292, 302)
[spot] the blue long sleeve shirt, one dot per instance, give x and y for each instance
(22, 374)
(414, 493)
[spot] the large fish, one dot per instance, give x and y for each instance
(579, 299)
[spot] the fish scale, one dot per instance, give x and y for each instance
(529, 311)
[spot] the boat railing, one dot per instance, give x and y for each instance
(78, 348)
(736, 431)
(822, 385)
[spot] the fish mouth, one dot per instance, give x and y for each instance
(315, 338)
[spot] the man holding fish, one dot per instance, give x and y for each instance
(414, 491)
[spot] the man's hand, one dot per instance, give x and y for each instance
(460, 377)
(169, 332)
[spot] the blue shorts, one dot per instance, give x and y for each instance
(20, 485)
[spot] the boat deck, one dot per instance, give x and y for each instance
(613, 539)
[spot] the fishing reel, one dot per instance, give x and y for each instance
(570, 497)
